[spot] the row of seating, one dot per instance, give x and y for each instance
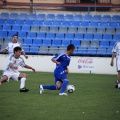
(107, 24)
(68, 17)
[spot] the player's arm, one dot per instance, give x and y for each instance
(11, 65)
(67, 71)
(112, 60)
(4, 51)
(23, 53)
(55, 59)
(29, 67)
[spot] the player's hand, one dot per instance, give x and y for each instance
(15, 67)
(58, 63)
(26, 57)
(33, 70)
(67, 71)
(112, 64)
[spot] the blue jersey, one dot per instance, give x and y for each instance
(64, 61)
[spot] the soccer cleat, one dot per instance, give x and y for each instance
(41, 89)
(24, 90)
(63, 94)
(116, 84)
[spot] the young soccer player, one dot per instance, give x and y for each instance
(12, 69)
(60, 73)
(116, 52)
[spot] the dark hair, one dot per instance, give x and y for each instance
(17, 49)
(70, 47)
(15, 35)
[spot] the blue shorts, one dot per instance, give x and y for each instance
(59, 76)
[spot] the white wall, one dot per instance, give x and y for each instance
(77, 65)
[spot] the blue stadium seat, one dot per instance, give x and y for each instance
(82, 51)
(113, 24)
(31, 35)
(116, 18)
(62, 29)
(10, 21)
(87, 17)
(25, 28)
(6, 27)
(0, 27)
(56, 23)
(97, 17)
(97, 37)
(112, 43)
(109, 52)
(2, 21)
(75, 24)
(101, 51)
(65, 42)
(22, 34)
(103, 24)
(3, 34)
(69, 36)
(53, 29)
(116, 37)
(88, 37)
(66, 23)
(46, 42)
(4, 15)
(78, 36)
(47, 23)
(59, 17)
(85, 44)
(41, 35)
(43, 50)
(28, 42)
(19, 22)
(1, 41)
(34, 50)
(32, 16)
(82, 30)
(78, 18)
(37, 23)
(94, 44)
(14, 16)
(72, 30)
(50, 35)
(37, 42)
(85, 23)
(69, 17)
(29, 22)
(50, 16)
(26, 49)
(16, 28)
(117, 30)
(76, 43)
(60, 36)
(23, 16)
(107, 37)
(41, 17)
(106, 18)
(104, 44)
(94, 24)
(91, 52)
(11, 33)
(56, 43)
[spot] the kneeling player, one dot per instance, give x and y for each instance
(12, 69)
(60, 73)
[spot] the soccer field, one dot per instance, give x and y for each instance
(95, 98)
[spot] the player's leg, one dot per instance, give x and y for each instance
(118, 79)
(3, 79)
(118, 70)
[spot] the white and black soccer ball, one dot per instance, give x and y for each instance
(70, 88)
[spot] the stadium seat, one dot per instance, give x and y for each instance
(101, 52)
(66, 23)
(31, 35)
(34, 50)
(10, 21)
(59, 17)
(78, 18)
(112, 43)
(41, 17)
(113, 24)
(41, 35)
(50, 35)
(116, 37)
(11, 33)
(82, 30)
(117, 30)
(87, 18)
(35, 28)
(14, 16)
(20, 41)
(76, 43)
(16, 28)
(50, 16)
(62, 49)
(65, 42)
(28, 42)
(106, 18)
(47, 23)
(82, 51)
(75, 24)
(60, 36)
(25, 28)
(69, 17)
(43, 50)
(26, 49)
(23, 16)
(2, 21)
(91, 52)
(116, 18)
(94, 24)
(54, 29)
(85, 23)
(4, 15)
(1, 41)
(97, 18)
(109, 52)
(19, 22)
(62, 29)
(72, 30)
(6, 27)
(97, 37)
(94, 44)
(32, 16)
(91, 30)
(3, 34)
(103, 24)
(44, 29)
(46, 42)
(56, 23)
(104, 44)
(37, 23)
(110, 31)
(7, 40)
(78, 36)
(29, 22)
(85, 43)
(22, 34)
(88, 37)
(53, 50)
(107, 37)
(37, 42)
(56, 43)
(69, 36)
(1, 28)
(101, 30)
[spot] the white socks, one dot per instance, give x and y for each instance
(22, 84)
(119, 85)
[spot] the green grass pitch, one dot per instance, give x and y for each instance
(95, 98)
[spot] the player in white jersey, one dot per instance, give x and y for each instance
(12, 45)
(12, 69)
(116, 52)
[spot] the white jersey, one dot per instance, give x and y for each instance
(116, 49)
(11, 47)
(17, 62)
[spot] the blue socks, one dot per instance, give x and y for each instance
(50, 87)
(64, 86)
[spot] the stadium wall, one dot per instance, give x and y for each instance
(43, 63)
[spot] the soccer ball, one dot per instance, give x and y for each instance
(70, 88)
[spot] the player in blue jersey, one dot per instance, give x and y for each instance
(60, 73)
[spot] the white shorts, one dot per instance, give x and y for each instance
(12, 75)
(118, 64)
